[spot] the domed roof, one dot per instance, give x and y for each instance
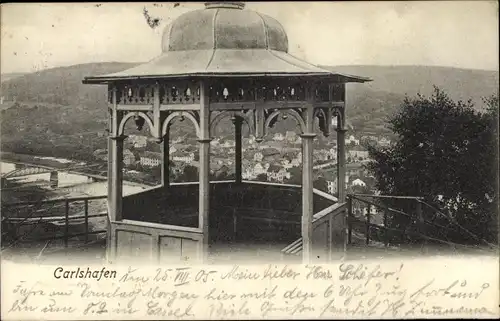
(224, 40)
(224, 26)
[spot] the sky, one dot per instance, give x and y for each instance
(460, 34)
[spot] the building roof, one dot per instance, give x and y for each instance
(222, 40)
(270, 151)
(274, 168)
(151, 155)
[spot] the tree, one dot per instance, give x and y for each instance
(190, 174)
(321, 184)
(261, 178)
(295, 176)
(444, 153)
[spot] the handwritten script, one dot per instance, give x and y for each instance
(403, 289)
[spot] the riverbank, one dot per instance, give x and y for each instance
(99, 168)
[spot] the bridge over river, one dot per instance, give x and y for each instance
(69, 180)
(72, 210)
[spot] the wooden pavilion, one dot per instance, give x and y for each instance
(217, 62)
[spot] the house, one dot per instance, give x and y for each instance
(289, 155)
(177, 169)
(355, 169)
(138, 141)
(351, 140)
(296, 162)
(291, 136)
(228, 144)
(258, 157)
(151, 159)
(185, 159)
(258, 169)
(248, 173)
(215, 142)
(128, 157)
(270, 153)
(332, 154)
(278, 137)
(172, 150)
(358, 182)
(286, 163)
(332, 186)
(320, 155)
(278, 175)
(221, 170)
(358, 154)
(384, 142)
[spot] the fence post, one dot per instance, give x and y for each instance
(235, 225)
(421, 225)
(66, 223)
(386, 231)
(349, 219)
(368, 218)
(86, 221)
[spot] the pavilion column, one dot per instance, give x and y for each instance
(115, 172)
(307, 185)
(116, 188)
(204, 169)
(115, 162)
(341, 169)
(165, 164)
(238, 149)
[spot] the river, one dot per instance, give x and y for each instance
(86, 186)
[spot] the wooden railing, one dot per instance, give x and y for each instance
(333, 218)
(21, 220)
(371, 221)
(148, 204)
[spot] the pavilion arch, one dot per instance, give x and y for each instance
(324, 120)
(144, 116)
(216, 120)
(298, 118)
(170, 118)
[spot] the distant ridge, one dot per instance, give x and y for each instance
(9, 76)
(459, 83)
(368, 105)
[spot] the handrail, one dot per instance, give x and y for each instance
(378, 205)
(36, 220)
(387, 196)
(177, 228)
(396, 211)
(318, 217)
(56, 200)
(53, 218)
(295, 247)
(420, 220)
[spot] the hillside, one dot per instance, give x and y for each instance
(460, 84)
(61, 86)
(53, 106)
(9, 76)
(371, 103)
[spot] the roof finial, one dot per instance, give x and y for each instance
(225, 4)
